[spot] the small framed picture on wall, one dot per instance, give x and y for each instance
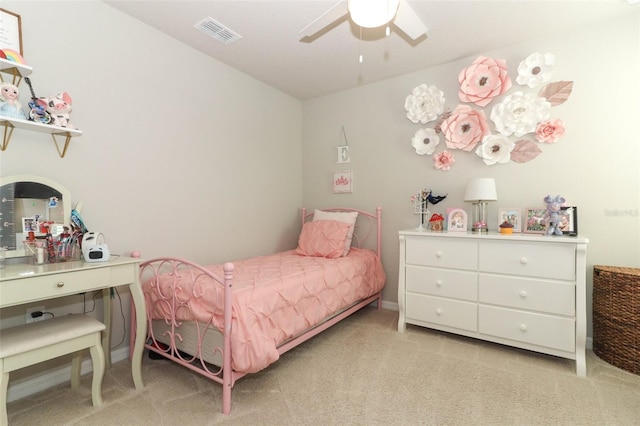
(569, 221)
(512, 216)
(457, 220)
(343, 182)
(534, 222)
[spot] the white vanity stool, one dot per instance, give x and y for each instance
(33, 343)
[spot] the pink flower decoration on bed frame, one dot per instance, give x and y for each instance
(485, 79)
(549, 131)
(465, 128)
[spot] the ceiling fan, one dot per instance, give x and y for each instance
(371, 14)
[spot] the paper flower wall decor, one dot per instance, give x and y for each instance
(536, 69)
(519, 113)
(424, 104)
(443, 160)
(495, 149)
(549, 131)
(425, 141)
(519, 122)
(485, 79)
(464, 128)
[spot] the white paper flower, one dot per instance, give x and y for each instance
(424, 104)
(425, 141)
(536, 69)
(520, 113)
(495, 149)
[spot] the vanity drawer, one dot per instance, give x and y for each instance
(528, 293)
(536, 329)
(49, 286)
(442, 282)
(546, 260)
(441, 252)
(437, 310)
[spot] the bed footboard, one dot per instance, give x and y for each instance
(173, 287)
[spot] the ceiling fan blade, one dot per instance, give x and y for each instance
(409, 22)
(336, 12)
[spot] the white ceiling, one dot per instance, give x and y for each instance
(270, 50)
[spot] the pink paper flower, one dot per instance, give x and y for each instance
(465, 128)
(485, 79)
(549, 131)
(443, 160)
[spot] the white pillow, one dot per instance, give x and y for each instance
(346, 217)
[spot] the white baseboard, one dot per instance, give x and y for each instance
(55, 377)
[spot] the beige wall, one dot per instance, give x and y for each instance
(181, 155)
(595, 166)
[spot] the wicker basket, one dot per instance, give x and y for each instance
(616, 316)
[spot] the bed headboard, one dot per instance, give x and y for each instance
(367, 225)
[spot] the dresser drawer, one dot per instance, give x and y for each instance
(546, 260)
(441, 252)
(436, 310)
(536, 329)
(442, 282)
(528, 293)
(53, 285)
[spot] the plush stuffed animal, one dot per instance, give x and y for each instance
(59, 108)
(553, 214)
(9, 104)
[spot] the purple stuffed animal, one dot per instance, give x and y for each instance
(552, 216)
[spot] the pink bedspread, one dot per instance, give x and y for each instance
(275, 298)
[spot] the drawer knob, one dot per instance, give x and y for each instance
(60, 284)
(523, 294)
(524, 260)
(523, 327)
(438, 311)
(438, 254)
(438, 283)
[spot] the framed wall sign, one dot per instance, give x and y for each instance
(10, 31)
(343, 182)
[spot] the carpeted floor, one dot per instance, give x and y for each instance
(360, 372)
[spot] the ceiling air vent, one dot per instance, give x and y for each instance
(216, 30)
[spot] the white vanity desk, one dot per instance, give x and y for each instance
(26, 283)
(522, 290)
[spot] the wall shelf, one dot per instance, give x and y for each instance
(15, 69)
(10, 124)
(18, 71)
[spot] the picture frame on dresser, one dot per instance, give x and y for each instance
(456, 220)
(511, 215)
(569, 221)
(534, 222)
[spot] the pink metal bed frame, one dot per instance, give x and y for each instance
(224, 374)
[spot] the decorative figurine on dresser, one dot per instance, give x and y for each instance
(522, 290)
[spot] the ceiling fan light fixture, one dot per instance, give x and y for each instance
(372, 13)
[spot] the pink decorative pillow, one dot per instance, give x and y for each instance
(323, 238)
(347, 217)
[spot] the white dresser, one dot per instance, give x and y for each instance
(522, 290)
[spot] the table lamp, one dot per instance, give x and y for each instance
(479, 191)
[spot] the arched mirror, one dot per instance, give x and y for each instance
(28, 204)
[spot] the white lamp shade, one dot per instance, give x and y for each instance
(481, 189)
(372, 13)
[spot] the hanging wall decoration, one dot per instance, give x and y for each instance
(518, 123)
